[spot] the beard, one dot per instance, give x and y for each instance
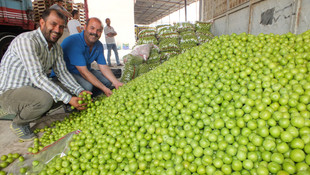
(51, 36)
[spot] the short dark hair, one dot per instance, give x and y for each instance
(47, 13)
(107, 19)
(87, 21)
(74, 12)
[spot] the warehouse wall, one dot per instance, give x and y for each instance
(256, 16)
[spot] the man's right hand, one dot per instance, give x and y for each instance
(74, 101)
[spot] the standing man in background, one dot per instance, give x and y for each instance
(59, 6)
(109, 38)
(74, 25)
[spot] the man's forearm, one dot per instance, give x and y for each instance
(106, 71)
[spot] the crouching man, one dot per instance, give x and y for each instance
(25, 89)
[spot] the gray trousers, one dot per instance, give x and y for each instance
(27, 103)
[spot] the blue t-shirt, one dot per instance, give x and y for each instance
(76, 52)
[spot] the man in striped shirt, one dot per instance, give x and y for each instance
(25, 89)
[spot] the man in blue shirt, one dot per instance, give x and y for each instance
(80, 50)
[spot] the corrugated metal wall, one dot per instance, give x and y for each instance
(256, 16)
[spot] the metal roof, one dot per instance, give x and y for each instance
(149, 11)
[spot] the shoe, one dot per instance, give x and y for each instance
(120, 65)
(23, 132)
(110, 66)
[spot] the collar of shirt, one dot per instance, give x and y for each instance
(42, 38)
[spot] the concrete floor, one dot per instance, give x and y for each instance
(9, 142)
(121, 53)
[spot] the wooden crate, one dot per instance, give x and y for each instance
(72, 7)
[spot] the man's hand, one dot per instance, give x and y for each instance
(81, 93)
(74, 101)
(118, 84)
(107, 92)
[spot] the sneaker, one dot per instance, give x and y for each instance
(110, 65)
(23, 132)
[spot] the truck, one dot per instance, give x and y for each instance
(16, 16)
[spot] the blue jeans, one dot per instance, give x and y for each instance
(88, 86)
(112, 46)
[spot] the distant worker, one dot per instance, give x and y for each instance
(110, 41)
(80, 51)
(25, 89)
(74, 24)
(59, 6)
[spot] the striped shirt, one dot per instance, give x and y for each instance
(27, 62)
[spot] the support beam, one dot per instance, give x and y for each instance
(86, 9)
(185, 10)
(161, 1)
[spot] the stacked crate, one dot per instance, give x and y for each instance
(35, 12)
(81, 8)
(71, 6)
(40, 5)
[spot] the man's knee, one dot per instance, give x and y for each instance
(44, 101)
(83, 82)
(101, 78)
(88, 86)
(108, 84)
